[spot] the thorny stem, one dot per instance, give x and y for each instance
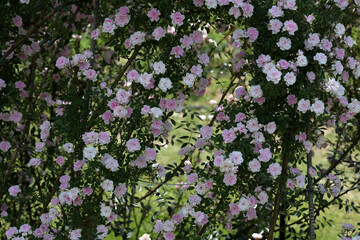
(278, 198)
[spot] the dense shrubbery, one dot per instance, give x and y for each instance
(88, 96)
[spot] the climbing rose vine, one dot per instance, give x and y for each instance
(92, 91)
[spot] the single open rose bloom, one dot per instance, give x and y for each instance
(177, 18)
(17, 21)
(133, 145)
(5, 146)
(61, 62)
(14, 190)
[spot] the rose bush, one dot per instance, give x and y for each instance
(89, 95)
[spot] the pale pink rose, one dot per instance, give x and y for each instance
(301, 137)
(223, 2)
(78, 165)
(229, 179)
(2, 83)
(16, 117)
(234, 209)
(228, 135)
(60, 160)
(317, 107)
(108, 26)
(200, 143)
(61, 62)
(263, 197)
(159, 226)
(17, 21)
(240, 91)
(308, 145)
(274, 169)
(133, 145)
(303, 105)
(65, 179)
(5, 146)
(321, 58)
(290, 78)
(265, 155)
(349, 41)
(197, 36)
(312, 172)
(169, 236)
(344, 101)
(10, 232)
(271, 127)
(112, 104)
(254, 165)
(276, 11)
(275, 26)
(236, 157)
(192, 178)
(104, 137)
(120, 190)
(198, 3)
(177, 18)
(91, 74)
(137, 38)
(150, 154)
(310, 18)
(107, 117)
(171, 104)
(204, 59)
(262, 60)
(218, 160)
(311, 76)
(14, 190)
(342, 4)
(251, 214)
(247, 9)
(186, 42)
(154, 14)
(40, 146)
(75, 234)
(34, 162)
(290, 26)
(199, 216)
(255, 91)
(290, 184)
(132, 75)
(284, 43)
(240, 117)
(122, 19)
(127, 44)
(291, 99)
(326, 45)
(158, 33)
(340, 53)
(95, 34)
(283, 64)
(274, 75)
(177, 51)
(252, 33)
(300, 181)
(206, 132)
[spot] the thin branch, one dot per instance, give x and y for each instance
(337, 162)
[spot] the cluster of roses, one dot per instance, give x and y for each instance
(326, 52)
